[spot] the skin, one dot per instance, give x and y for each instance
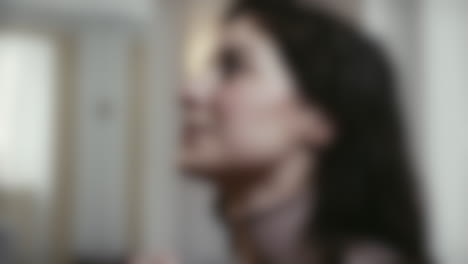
(245, 115)
(248, 131)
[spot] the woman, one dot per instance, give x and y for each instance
(298, 128)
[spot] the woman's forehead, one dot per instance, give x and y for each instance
(246, 36)
(244, 30)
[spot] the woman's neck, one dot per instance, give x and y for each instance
(269, 217)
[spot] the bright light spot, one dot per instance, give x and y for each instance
(27, 84)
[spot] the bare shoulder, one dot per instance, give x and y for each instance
(372, 252)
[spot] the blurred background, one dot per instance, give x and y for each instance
(88, 123)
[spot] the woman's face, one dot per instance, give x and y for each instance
(245, 114)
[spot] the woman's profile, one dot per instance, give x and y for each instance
(298, 127)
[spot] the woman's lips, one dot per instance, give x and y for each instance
(193, 132)
(196, 127)
(189, 133)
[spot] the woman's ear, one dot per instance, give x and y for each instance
(320, 128)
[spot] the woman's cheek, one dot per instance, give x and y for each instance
(253, 126)
(256, 141)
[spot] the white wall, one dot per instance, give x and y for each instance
(446, 81)
(100, 222)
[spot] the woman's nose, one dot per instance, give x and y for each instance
(196, 94)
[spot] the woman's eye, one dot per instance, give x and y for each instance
(230, 64)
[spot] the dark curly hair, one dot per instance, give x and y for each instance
(365, 185)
